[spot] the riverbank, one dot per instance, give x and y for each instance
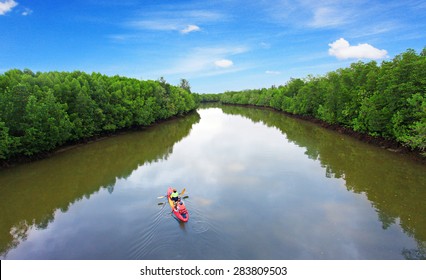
(22, 159)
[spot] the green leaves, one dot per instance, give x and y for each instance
(41, 111)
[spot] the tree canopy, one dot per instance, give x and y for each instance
(40, 111)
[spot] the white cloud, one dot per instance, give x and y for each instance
(27, 12)
(190, 28)
(313, 13)
(7, 6)
(343, 50)
(265, 45)
(184, 21)
(162, 25)
(223, 63)
(165, 25)
(328, 17)
(202, 16)
(197, 62)
(270, 72)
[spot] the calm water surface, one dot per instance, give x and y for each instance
(260, 185)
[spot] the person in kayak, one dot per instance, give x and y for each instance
(176, 204)
(174, 196)
(182, 208)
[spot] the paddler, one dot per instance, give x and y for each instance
(181, 208)
(176, 204)
(174, 196)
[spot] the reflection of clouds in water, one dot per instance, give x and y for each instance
(203, 201)
(210, 149)
(206, 164)
(236, 167)
(344, 224)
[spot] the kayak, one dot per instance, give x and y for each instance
(181, 217)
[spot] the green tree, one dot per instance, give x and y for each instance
(8, 143)
(46, 124)
(184, 84)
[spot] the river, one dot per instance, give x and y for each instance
(259, 185)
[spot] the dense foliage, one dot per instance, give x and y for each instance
(387, 100)
(40, 111)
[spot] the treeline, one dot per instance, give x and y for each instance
(41, 111)
(386, 100)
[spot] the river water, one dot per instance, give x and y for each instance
(259, 185)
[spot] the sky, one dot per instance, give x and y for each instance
(217, 46)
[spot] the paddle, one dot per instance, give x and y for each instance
(163, 196)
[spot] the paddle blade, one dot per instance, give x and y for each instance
(161, 197)
(183, 191)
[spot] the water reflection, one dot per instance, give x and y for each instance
(393, 184)
(32, 193)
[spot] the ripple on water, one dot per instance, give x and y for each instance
(199, 226)
(191, 240)
(151, 236)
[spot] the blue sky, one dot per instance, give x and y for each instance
(215, 45)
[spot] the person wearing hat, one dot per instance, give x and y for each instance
(174, 196)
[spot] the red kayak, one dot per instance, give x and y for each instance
(181, 217)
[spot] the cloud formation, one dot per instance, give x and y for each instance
(270, 72)
(190, 28)
(7, 6)
(343, 50)
(164, 25)
(328, 17)
(27, 12)
(183, 21)
(208, 61)
(223, 63)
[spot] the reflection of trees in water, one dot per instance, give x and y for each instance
(415, 254)
(394, 185)
(20, 231)
(30, 194)
(386, 220)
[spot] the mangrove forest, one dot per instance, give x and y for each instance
(41, 111)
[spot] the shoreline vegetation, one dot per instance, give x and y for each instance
(381, 104)
(44, 112)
